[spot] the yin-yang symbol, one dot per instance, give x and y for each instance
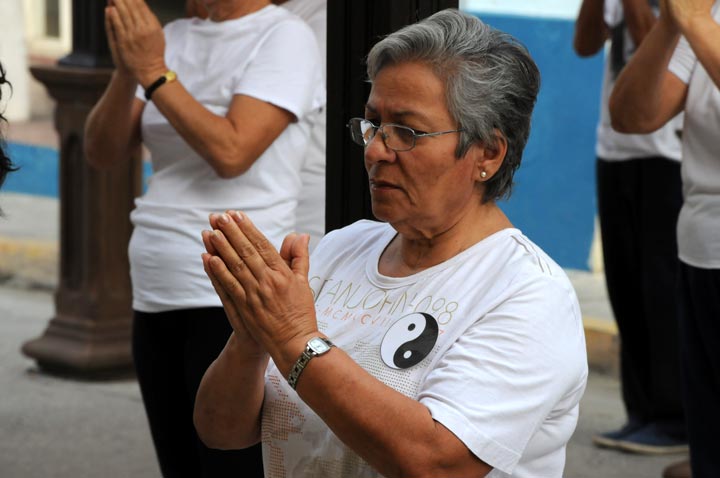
(409, 340)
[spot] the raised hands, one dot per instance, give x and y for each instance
(136, 40)
(266, 294)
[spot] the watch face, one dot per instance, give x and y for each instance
(318, 345)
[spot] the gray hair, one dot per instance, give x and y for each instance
(491, 82)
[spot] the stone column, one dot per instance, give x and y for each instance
(90, 333)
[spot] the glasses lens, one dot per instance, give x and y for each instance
(361, 131)
(399, 138)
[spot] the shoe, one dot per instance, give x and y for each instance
(652, 440)
(681, 469)
(612, 438)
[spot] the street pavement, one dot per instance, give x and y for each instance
(54, 427)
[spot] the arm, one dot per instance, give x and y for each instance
(695, 21)
(112, 129)
(646, 95)
(230, 143)
(590, 28)
(639, 18)
(230, 395)
(394, 433)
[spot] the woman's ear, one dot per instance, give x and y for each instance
(489, 157)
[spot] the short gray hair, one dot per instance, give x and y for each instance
(491, 82)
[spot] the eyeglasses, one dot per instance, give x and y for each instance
(396, 137)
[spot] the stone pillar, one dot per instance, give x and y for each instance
(90, 333)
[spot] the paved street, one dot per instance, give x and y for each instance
(60, 428)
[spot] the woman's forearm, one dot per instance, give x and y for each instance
(229, 399)
(590, 29)
(644, 98)
(112, 129)
(703, 34)
(230, 144)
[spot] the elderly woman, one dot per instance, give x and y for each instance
(441, 342)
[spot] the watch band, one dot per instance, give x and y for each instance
(315, 347)
(167, 77)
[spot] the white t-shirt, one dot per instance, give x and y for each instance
(270, 55)
(614, 146)
(311, 208)
(496, 352)
(699, 222)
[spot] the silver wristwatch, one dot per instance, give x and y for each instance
(315, 347)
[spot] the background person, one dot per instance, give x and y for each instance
(6, 165)
(460, 348)
(311, 206)
(639, 198)
(677, 69)
(228, 131)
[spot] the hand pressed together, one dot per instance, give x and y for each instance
(136, 40)
(266, 294)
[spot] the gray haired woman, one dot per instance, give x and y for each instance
(440, 342)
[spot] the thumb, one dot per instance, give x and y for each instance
(300, 255)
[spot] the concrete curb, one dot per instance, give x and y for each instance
(29, 263)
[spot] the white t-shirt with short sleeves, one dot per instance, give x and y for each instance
(270, 55)
(490, 341)
(614, 146)
(698, 227)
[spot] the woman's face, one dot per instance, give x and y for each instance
(425, 191)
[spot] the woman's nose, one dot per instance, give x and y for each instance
(376, 149)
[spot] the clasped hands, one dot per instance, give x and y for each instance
(266, 294)
(136, 40)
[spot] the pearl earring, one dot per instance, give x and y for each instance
(483, 174)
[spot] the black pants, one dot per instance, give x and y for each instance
(700, 349)
(172, 350)
(638, 205)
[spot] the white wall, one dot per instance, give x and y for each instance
(13, 55)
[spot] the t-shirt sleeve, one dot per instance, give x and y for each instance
(683, 61)
(612, 13)
(285, 70)
(498, 383)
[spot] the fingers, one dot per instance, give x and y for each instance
(232, 261)
(300, 255)
(128, 13)
(229, 290)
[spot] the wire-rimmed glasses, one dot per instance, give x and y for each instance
(396, 137)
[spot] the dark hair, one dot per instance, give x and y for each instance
(6, 164)
(491, 82)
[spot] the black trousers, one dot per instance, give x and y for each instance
(172, 350)
(700, 350)
(638, 205)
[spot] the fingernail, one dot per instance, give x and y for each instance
(238, 216)
(217, 234)
(224, 219)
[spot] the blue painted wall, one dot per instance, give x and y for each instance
(554, 196)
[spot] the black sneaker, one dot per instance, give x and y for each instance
(613, 438)
(653, 440)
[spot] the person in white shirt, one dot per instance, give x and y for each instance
(311, 206)
(639, 198)
(223, 104)
(677, 69)
(440, 342)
